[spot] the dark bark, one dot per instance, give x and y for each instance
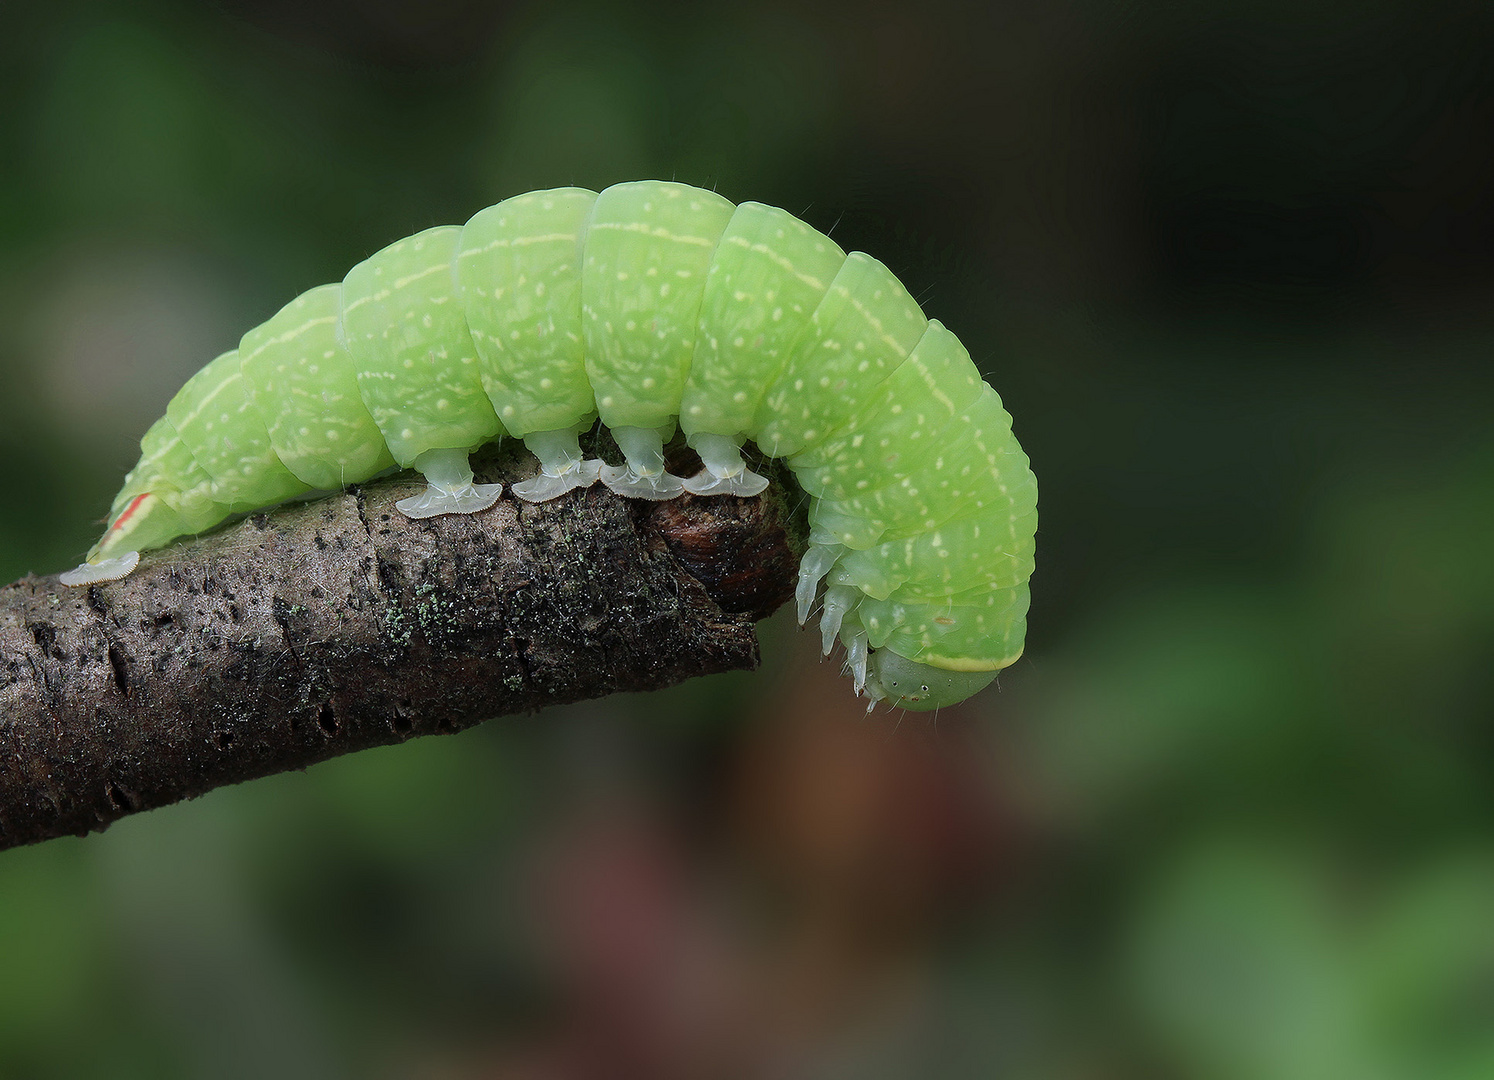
(322, 628)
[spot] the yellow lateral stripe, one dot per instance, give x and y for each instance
(874, 323)
(958, 664)
(782, 261)
(660, 233)
(400, 283)
(517, 241)
(289, 335)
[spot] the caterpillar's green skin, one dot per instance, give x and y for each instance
(649, 305)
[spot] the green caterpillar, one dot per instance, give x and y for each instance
(648, 306)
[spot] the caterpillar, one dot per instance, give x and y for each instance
(652, 307)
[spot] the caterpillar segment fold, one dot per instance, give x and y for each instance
(651, 307)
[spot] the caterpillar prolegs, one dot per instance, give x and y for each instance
(650, 306)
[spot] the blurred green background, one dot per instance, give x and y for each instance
(1231, 267)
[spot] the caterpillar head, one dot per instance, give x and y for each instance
(908, 684)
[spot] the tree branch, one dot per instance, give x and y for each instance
(326, 627)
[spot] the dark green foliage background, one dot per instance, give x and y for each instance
(1231, 267)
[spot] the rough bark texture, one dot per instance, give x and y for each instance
(325, 627)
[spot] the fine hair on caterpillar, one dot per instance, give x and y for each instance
(652, 307)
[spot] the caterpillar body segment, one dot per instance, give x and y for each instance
(303, 384)
(652, 306)
(244, 469)
(947, 560)
(518, 272)
(769, 274)
(910, 408)
(648, 252)
(861, 332)
(980, 471)
(416, 367)
(171, 475)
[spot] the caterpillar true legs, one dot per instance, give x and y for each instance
(652, 306)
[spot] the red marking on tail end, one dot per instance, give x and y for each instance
(129, 510)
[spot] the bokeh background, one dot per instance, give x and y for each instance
(1231, 265)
